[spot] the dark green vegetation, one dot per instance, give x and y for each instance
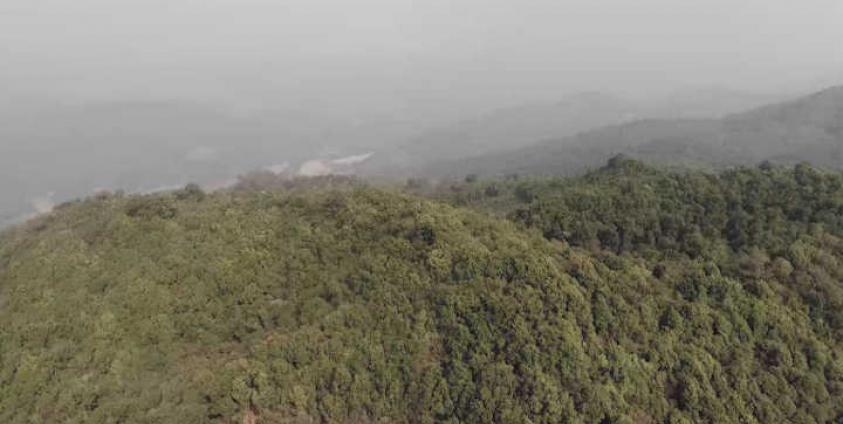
(630, 295)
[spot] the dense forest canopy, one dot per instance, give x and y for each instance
(629, 295)
(404, 211)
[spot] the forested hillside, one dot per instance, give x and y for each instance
(629, 295)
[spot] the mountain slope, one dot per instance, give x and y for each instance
(356, 304)
(522, 126)
(515, 127)
(806, 129)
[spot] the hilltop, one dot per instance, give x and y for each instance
(332, 301)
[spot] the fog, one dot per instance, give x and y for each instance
(255, 83)
(383, 56)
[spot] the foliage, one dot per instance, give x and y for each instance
(630, 295)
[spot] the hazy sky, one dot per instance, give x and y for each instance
(383, 55)
(359, 74)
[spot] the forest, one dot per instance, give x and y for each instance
(632, 294)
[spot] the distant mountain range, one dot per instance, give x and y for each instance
(806, 129)
(518, 127)
(73, 149)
